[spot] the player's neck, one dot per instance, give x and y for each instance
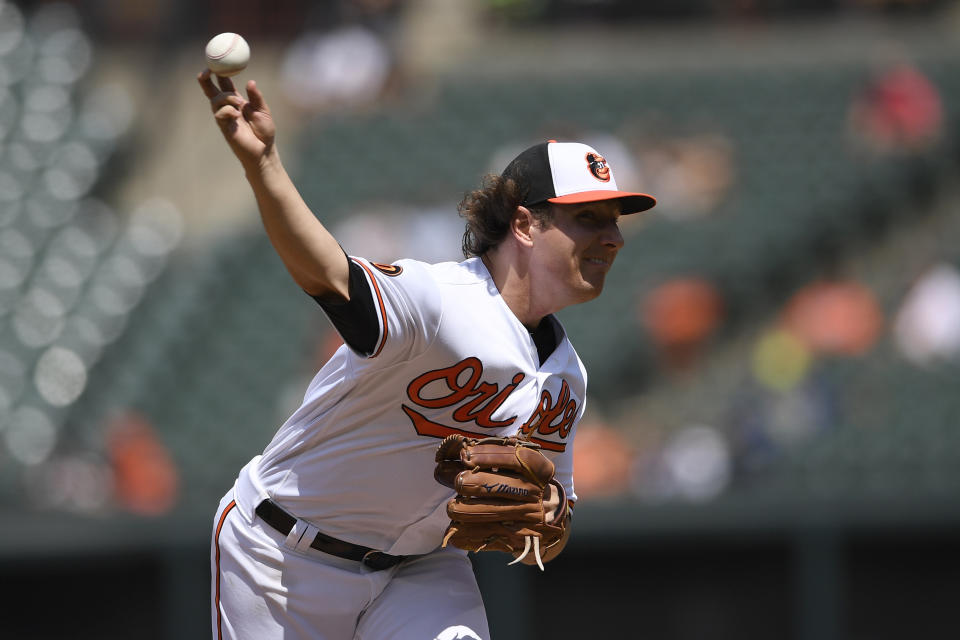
(514, 284)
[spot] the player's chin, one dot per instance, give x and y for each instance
(591, 286)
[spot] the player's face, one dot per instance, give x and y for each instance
(577, 249)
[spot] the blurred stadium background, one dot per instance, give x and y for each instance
(772, 448)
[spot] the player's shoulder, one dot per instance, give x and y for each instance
(469, 271)
(429, 283)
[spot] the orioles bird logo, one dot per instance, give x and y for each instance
(388, 269)
(598, 167)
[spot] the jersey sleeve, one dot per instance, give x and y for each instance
(394, 310)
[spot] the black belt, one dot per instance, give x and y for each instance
(274, 515)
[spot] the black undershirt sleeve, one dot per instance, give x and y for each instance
(356, 320)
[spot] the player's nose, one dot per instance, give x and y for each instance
(611, 236)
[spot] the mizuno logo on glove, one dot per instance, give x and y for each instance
(505, 488)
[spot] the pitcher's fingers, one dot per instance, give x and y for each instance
(256, 98)
(226, 84)
(209, 89)
(223, 99)
(225, 114)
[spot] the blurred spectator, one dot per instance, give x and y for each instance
(347, 60)
(898, 110)
(146, 481)
(601, 460)
(693, 464)
(81, 483)
(786, 404)
(681, 315)
(780, 360)
(697, 460)
(927, 326)
(834, 317)
(345, 67)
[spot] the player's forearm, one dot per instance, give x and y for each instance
(311, 254)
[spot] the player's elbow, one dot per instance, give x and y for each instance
(334, 289)
(325, 292)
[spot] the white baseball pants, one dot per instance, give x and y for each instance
(264, 588)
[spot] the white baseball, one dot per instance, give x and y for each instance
(227, 54)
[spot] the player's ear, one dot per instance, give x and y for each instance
(521, 226)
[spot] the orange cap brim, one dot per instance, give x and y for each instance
(631, 202)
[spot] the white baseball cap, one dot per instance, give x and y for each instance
(570, 173)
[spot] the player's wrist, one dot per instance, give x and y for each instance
(263, 164)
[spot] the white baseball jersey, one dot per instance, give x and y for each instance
(356, 459)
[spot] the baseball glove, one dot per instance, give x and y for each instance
(507, 498)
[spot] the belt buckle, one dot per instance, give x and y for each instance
(377, 560)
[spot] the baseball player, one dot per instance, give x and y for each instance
(348, 525)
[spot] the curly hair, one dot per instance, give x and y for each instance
(488, 211)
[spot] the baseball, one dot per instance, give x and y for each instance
(227, 54)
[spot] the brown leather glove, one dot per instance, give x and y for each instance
(507, 498)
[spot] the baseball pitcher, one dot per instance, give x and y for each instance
(443, 425)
